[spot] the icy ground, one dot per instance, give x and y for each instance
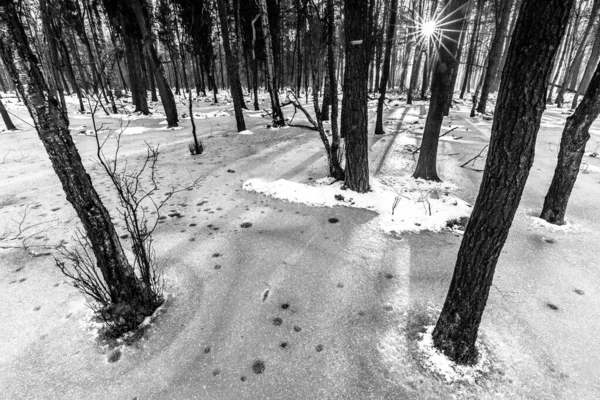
(273, 299)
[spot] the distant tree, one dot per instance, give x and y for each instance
(385, 74)
(521, 102)
(441, 85)
(230, 44)
(270, 75)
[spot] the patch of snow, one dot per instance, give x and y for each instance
(246, 132)
(566, 228)
(403, 204)
(132, 130)
(441, 365)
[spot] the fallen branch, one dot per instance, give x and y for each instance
(476, 157)
(442, 135)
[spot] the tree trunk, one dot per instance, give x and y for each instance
(495, 54)
(6, 118)
(337, 172)
(391, 29)
(521, 102)
(270, 67)
(572, 147)
(589, 70)
(53, 130)
(472, 48)
(440, 87)
(166, 95)
(579, 54)
(354, 104)
(227, 18)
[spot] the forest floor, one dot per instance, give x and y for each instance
(291, 305)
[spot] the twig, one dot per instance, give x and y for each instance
(476, 157)
(442, 135)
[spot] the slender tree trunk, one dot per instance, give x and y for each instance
(166, 95)
(495, 54)
(389, 39)
(270, 67)
(231, 56)
(440, 87)
(354, 104)
(53, 130)
(521, 102)
(472, 47)
(336, 171)
(579, 54)
(6, 117)
(589, 70)
(572, 147)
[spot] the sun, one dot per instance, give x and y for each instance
(428, 28)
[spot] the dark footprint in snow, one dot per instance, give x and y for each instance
(285, 306)
(579, 292)
(217, 266)
(246, 225)
(389, 276)
(552, 306)
(297, 328)
(216, 372)
(114, 356)
(549, 240)
(319, 348)
(333, 220)
(258, 367)
(215, 255)
(277, 321)
(230, 171)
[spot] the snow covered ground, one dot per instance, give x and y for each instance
(276, 299)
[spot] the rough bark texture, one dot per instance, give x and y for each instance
(572, 147)
(270, 67)
(521, 102)
(440, 87)
(335, 151)
(385, 74)
(227, 18)
(53, 130)
(354, 103)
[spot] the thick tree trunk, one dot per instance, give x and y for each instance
(521, 102)
(136, 81)
(166, 95)
(440, 87)
(354, 104)
(270, 67)
(389, 39)
(227, 18)
(572, 147)
(53, 130)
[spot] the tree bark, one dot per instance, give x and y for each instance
(53, 130)
(6, 117)
(227, 19)
(440, 87)
(391, 29)
(521, 102)
(166, 95)
(589, 71)
(572, 147)
(270, 67)
(354, 104)
(579, 54)
(495, 54)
